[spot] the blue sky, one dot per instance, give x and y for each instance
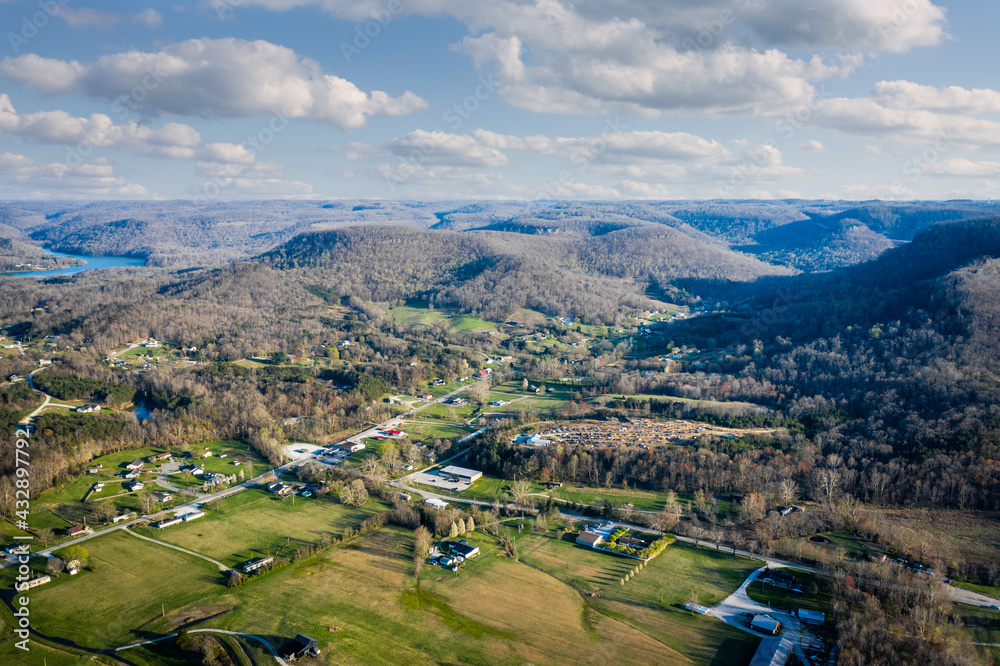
(526, 99)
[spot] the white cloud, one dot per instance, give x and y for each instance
(215, 78)
(668, 55)
(443, 148)
(812, 146)
(952, 99)
(83, 18)
(908, 112)
(960, 166)
(148, 17)
(91, 178)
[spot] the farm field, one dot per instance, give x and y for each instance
(353, 595)
(255, 522)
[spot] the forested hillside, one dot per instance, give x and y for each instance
(803, 235)
(494, 273)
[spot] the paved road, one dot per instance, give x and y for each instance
(222, 567)
(266, 643)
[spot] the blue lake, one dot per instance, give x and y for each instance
(92, 263)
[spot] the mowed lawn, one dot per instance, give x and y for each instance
(651, 600)
(255, 522)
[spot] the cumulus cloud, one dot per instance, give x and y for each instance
(905, 111)
(812, 146)
(484, 148)
(91, 178)
(232, 167)
(226, 78)
(668, 55)
(644, 164)
(443, 148)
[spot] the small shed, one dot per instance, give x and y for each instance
(301, 646)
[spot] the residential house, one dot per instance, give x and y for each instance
(161, 496)
(77, 530)
(88, 409)
(135, 464)
(462, 548)
(41, 580)
(280, 489)
(435, 503)
(590, 539)
(781, 579)
(135, 485)
(157, 457)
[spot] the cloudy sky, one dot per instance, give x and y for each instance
(529, 99)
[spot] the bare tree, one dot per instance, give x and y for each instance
(664, 522)
(104, 511)
(716, 535)
(146, 503)
(354, 494)
(374, 470)
(421, 548)
(520, 491)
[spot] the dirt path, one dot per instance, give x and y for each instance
(222, 567)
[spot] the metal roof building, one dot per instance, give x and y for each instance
(772, 652)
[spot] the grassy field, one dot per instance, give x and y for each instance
(255, 522)
(451, 413)
(982, 589)
(115, 604)
(528, 401)
(412, 316)
(420, 431)
(983, 626)
(643, 500)
(361, 601)
(650, 602)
